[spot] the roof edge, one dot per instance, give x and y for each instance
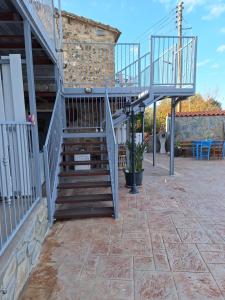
(200, 114)
(93, 22)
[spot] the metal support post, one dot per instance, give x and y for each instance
(172, 135)
(143, 126)
(32, 101)
(154, 135)
(133, 189)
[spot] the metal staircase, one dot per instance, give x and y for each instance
(81, 152)
(84, 188)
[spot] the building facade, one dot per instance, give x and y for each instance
(88, 50)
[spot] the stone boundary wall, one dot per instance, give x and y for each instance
(199, 127)
(21, 256)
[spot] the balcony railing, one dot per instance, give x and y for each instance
(18, 182)
(173, 61)
(170, 63)
(93, 64)
(42, 16)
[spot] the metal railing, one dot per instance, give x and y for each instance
(112, 148)
(42, 11)
(52, 154)
(84, 112)
(94, 64)
(136, 74)
(173, 61)
(18, 182)
(87, 113)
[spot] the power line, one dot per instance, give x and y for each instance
(158, 23)
(158, 28)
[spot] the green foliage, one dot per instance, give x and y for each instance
(195, 103)
(177, 144)
(139, 156)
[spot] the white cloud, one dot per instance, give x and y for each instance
(221, 49)
(189, 5)
(215, 66)
(215, 11)
(203, 63)
(192, 4)
(213, 8)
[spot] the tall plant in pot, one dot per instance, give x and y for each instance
(140, 149)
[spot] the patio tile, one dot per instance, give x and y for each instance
(214, 257)
(182, 221)
(154, 286)
(95, 289)
(194, 236)
(185, 257)
(157, 240)
(36, 294)
(144, 263)
(109, 267)
(138, 226)
(147, 204)
(215, 236)
(99, 247)
(90, 267)
(218, 272)
(169, 237)
(121, 290)
(211, 247)
(43, 277)
(161, 260)
(193, 286)
(160, 222)
(138, 247)
(135, 216)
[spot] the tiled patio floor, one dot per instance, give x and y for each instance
(169, 243)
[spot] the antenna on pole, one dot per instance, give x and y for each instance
(179, 17)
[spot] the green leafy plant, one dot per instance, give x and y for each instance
(140, 149)
(178, 144)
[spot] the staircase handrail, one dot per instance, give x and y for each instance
(52, 151)
(112, 148)
(134, 62)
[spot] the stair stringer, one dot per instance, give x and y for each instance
(149, 101)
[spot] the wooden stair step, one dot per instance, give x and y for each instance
(87, 185)
(83, 143)
(84, 198)
(92, 172)
(84, 152)
(84, 212)
(85, 162)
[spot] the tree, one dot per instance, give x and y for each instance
(194, 103)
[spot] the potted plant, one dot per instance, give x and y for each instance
(177, 149)
(140, 148)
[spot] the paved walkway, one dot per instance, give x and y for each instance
(169, 243)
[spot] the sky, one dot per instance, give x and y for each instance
(136, 19)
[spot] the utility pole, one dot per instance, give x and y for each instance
(179, 16)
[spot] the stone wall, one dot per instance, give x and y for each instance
(199, 127)
(87, 64)
(21, 256)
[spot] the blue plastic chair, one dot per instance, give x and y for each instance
(223, 151)
(205, 149)
(195, 149)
